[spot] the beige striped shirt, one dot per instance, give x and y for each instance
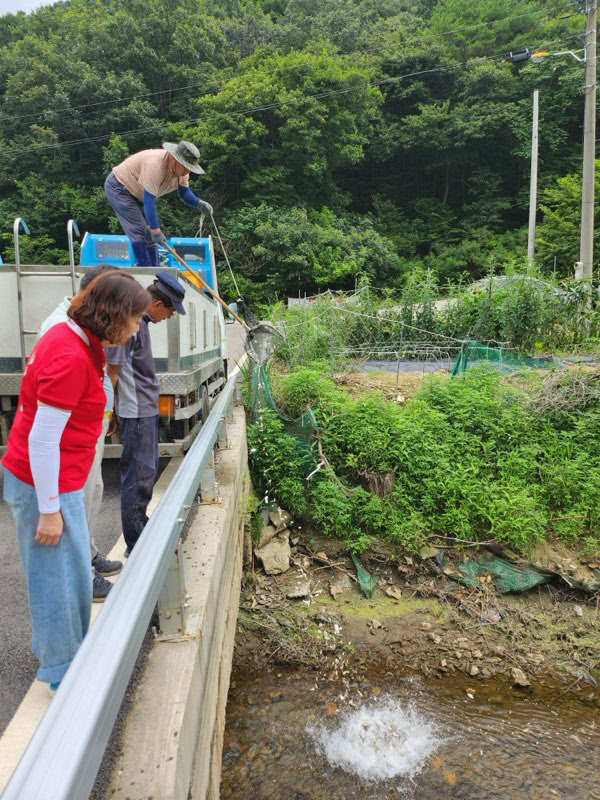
(149, 170)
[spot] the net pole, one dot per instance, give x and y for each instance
(331, 341)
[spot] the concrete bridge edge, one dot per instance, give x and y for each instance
(173, 738)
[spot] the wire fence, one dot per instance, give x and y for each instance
(345, 333)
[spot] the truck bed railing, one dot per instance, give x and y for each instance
(17, 225)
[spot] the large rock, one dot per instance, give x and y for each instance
(280, 519)
(295, 586)
(267, 533)
(339, 584)
(519, 678)
(275, 555)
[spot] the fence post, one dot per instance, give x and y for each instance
(331, 340)
(223, 440)
(209, 488)
(173, 600)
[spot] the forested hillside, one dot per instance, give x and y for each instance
(339, 137)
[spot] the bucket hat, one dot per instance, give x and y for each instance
(171, 288)
(186, 153)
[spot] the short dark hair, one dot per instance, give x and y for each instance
(90, 274)
(107, 303)
(158, 295)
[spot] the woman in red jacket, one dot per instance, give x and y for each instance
(50, 451)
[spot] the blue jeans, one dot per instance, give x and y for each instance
(59, 579)
(139, 467)
(130, 212)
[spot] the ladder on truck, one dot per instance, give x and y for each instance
(21, 223)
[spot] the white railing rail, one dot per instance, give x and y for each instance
(63, 757)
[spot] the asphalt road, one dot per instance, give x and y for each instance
(236, 337)
(17, 664)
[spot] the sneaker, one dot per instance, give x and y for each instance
(52, 687)
(101, 588)
(105, 566)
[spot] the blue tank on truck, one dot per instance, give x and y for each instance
(102, 248)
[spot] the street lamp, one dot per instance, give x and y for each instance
(586, 247)
(536, 57)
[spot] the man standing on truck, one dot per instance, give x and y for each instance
(134, 184)
(131, 368)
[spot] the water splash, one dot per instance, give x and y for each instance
(379, 741)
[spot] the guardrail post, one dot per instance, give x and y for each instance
(173, 600)
(209, 488)
(229, 412)
(223, 439)
(239, 400)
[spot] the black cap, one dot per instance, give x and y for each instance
(171, 288)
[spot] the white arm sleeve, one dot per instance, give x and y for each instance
(44, 455)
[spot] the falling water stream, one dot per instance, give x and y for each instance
(297, 735)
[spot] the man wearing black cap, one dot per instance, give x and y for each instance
(131, 368)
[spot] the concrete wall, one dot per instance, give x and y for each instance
(174, 734)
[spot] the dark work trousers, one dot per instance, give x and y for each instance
(139, 467)
(130, 212)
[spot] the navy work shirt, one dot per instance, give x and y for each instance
(138, 387)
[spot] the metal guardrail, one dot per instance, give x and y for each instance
(63, 757)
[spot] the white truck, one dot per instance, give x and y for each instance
(190, 352)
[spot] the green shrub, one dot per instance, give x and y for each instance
(277, 462)
(306, 388)
(515, 516)
(464, 459)
(331, 509)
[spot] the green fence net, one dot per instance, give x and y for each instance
(366, 582)
(304, 429)
(507, 576)
(474, 354)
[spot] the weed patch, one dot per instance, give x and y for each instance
(471, 460)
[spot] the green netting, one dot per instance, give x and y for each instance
(509, 577)
(506, 577)
(304, 430)
(585, 586)
(366, 582)
(474, 354)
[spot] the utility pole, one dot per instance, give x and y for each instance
(533, 179)
(586, 249)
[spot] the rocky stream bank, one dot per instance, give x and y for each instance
(302, 606)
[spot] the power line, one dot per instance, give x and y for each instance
(430, 33)
(101, 102)
(504, 19)
(254, 109)
(239, 112)
(423, 36)
(504, 55)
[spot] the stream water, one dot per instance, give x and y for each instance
(299, 735)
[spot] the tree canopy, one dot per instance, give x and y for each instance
(340, 138)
